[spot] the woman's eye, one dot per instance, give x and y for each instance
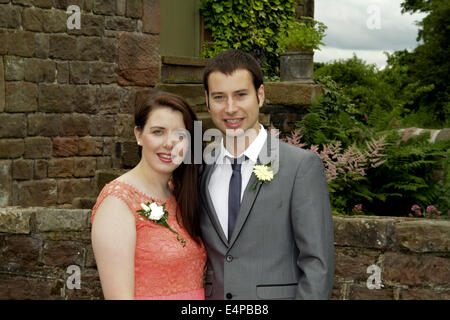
(157, 132)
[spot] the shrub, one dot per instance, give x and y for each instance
(250, 26)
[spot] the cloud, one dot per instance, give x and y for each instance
(376, 57)
(365, 27)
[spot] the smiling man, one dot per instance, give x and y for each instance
(265, 210)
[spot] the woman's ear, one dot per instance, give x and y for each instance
(137, 134)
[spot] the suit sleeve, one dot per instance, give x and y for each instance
(313, 229)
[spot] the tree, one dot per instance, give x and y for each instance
(428, 65)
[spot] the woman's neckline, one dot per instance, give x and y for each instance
(143, 193)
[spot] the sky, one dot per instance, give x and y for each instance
(366, 28)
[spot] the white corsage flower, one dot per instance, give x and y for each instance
(159, 215)
(263, 173)
(156, 212)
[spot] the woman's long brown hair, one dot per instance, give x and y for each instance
(185, 177)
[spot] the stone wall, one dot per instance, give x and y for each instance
(38, 245)
(67, 96)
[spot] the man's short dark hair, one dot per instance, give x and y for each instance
(231, 60)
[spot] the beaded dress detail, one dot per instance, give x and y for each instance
(163, 268)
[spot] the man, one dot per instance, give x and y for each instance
(264, 239)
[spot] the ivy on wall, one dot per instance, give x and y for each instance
(252, 26)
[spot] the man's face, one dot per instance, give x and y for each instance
(233, 102)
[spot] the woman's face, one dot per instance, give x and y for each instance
(164, 139)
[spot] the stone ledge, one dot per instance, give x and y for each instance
(396, 233)
(15, 220)
(62, 220)
(371, 232)
(182, 69)
(422, 235)
(362, 232)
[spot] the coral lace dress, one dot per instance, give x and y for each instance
(163, 268)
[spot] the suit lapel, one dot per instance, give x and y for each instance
(206, 199)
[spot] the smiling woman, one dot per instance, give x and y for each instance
(139, 258)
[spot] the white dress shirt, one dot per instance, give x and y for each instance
(220, 178)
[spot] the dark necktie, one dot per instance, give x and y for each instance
(234, 195)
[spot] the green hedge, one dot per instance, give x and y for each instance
(252, 26)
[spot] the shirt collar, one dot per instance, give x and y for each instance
(251, 152)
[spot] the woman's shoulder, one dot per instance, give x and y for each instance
(115, 195)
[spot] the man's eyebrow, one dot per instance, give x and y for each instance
(236, 91)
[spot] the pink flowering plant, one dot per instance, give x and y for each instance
(345, 169)
(430, 213)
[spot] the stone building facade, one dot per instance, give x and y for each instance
(67, 96)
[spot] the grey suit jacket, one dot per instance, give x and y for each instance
(282, 246)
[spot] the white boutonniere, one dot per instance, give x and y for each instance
(159, 215)
(263, 173)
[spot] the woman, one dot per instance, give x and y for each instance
(137, 258)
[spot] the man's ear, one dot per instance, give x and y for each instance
(261, 95)
(207, 100)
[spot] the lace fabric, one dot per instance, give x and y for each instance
(164, 269)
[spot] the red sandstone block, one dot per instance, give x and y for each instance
(38, 148)
(361, 292)
(424, 294)
(21, 97)
(134, 8)
(40, 169)
(10, 16)
(63, 47)
(105, 7)
(22, 250)
(75, 125)
(138, 59)
(60, 168)
(23, 169)
(415, 269)
(65, 147)
(84, 167)
(29, 287)
(11, 148)
(62, 253)
(85, 100)
(68, 189)
(352, 263)
(24, 44)
(108, 100)
(89, 146)
(151, 16)
(91, 25)
(102, 125)
(56, 98)
(43, 124)
(39, 193)
(13, 125)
